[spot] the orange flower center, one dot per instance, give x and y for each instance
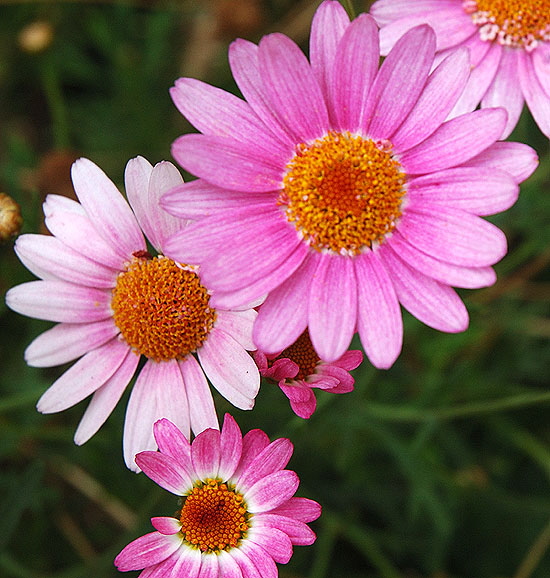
(518, 23)
(213, 517)
(343, 192)
(303, 355)
(161, 308)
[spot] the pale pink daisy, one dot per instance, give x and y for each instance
(339, 190)
(298, 370)
(114, 303)
(509, 43)
(238, 514)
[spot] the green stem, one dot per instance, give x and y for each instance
(535, 554)
(56, 103)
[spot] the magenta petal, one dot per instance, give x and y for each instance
(299, 533)
(538, 100)
(209, 566)
(261, 558)
(166, 526)
(274, 541)
(84, 377)
(146, 551)
(172, 442)
(292, 88)
(205, 454)
(350, 360)
(301, 509)
(165, 471)
(403, 72)
(247, 567)
(455, 142)
(271, 491)
(254, 442)
(231, 445)
(332, 310)
(229, 568)
(379, 320)
(301, 397)
(282, 369)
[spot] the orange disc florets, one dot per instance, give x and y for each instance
(214, 517)
(519, 23)
(161, 308)
(343, 192)
(303, 355)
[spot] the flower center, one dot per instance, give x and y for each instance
(303, 355)
(213, 517)
(343, 192)
(161, 309)
(518, 23)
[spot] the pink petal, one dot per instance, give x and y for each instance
(146, 551)
(386, 11)
(59, 301)
(231, 445)
(350, 360)
(292, 88)
(171, 441)
(184, 562)
(261, 558)
(301, 509)
(145, 185)
(541, 65)
(105, 399)
(84, 377)
(205, 454)
(403, 72)
(274, 541)
(271, 491)
(201, 404)
(209, 566)
(238, 325)
(166, 526)
(67, 341)
(229, 568)
(254, 442)
(434, 304)
(269, 460)
(165, 471)
(379, 321)
(537, 99)
(105, 206)
(247, 567)
(299, 533)
(344, 381)
(302, 399)
(332, 313)
(282, 369)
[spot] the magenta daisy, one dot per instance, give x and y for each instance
(339, 190)
(299, 370)
(115, 302)
(238, 514)
(509, 43)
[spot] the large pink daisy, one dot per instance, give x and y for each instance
(238, 514)
(339, 190)
(509, 43)
(115, 302)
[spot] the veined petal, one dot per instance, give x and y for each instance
(228, 565)
(299, 533)
(147, 551)
(238, 324)
(541, 65)
(271, 491)
(172, 442)
(274, 541)
(165, 525)
(538, 100)
(254, 442)
(231, 445)
(209, 566)
(301, 509)
(205, 454)
(165, 471)
(386, 11)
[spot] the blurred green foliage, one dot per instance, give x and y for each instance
(436, 468)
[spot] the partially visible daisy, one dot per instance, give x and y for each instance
(298, 370)
(238, 514)
(509, 43)
(115, 303)
(339, 190)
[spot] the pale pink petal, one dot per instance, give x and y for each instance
(229, 568)
(165, 525)
(453, 235)
(59, 301)
(230, 369)
(246, 565)
(292, 88)
(332, 312)
(84, 377)
(386, 11)
(105, 399)
(379, 320)
(201, 403)
(238, 325)
(47, 256)
(403, 72)
(481, 191)
(269, 460)
(289, 302)
(165, 471)
(261, 558)
(446, 273)
(271, 491)
(434, 304)
(455, 141)
(147, 551)
(444, 86)
(67, 341)
(254, 442)
(505, 89)
(172, 442)
(205, 454)
(67, 220)
(209, 566)
(541, 65)
(327, 28)
(105, 206)
(301, 509)
(300, 534)
(355, 68)
(145, 185)
(537, 99)
(184, 562)
(231, 445)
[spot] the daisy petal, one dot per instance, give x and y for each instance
(172, 442)
(301, 509)
(209, 567)
(254, 442)
(537, 99)
(205, 454)
(231, 444)
(229, 568)
(166, 526)
(271, 491)
(238, 324)
(299, 533)
(146, 551)
(165, 471)
(261, 558)
(541, 65)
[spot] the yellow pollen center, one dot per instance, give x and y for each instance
(303, 355)
(518, 23)
(343, 192)
(161, 309)
(213, 517)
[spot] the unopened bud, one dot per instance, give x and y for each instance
(36, 36)
(11, 220)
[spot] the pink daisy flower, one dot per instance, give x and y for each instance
(114, 303)
(299, 370)
(238, 513)
(339, 190)
(509, 43)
